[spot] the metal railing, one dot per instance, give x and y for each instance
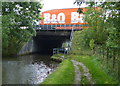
(61, 26)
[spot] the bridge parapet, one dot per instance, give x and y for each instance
(61, 26)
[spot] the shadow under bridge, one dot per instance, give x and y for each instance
(46, 40)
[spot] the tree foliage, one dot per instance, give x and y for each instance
(103, 34)
(103, 22)
(17, 24)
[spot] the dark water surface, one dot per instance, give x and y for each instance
(29, 69)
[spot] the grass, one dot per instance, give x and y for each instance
(83, 78)
(59, 57)
(95, 68)
(64, 74)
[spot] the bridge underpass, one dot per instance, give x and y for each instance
(45, 41)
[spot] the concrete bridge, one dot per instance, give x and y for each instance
(47, 39)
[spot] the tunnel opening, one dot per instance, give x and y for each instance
(46, 44)
(46, 41)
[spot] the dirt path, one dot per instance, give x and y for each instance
(78, 73)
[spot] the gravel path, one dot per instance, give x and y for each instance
(78, 74)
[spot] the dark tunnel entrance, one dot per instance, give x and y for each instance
(44, 44)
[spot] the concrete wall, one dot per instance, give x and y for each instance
(27, 48)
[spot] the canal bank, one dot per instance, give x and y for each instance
(90, 71)
(64, 74)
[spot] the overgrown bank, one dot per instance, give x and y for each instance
(64, 74)
(95, 68)
(99, 72)
(108, 57)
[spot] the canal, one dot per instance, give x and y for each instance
(28, 69)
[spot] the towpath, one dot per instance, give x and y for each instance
(82, 73)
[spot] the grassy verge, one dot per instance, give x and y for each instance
(58, 57)
(64, 74)
(83, 78)
(95, 68)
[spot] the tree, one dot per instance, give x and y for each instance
(17, 24)
(103, 22)
(113, 21)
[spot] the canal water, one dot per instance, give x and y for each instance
(29, 69)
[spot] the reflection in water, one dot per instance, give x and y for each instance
(30, 69)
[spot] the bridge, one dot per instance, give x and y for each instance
(53, 33)
(48, 38)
